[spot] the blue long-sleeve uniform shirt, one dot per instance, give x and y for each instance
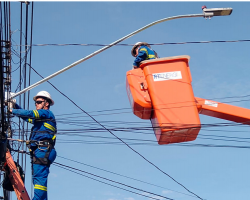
(144, 53)
(44, 123)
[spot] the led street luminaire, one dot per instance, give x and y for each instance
(217, 11)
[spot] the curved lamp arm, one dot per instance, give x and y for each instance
(207, 13)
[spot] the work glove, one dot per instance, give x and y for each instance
(10, 102)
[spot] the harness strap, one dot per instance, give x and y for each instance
(45, 160)
(44, 143)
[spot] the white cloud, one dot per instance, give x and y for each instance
(53, 174)
(110, 193)
(120, 88)
(153, 196)
(129, 198)
(167, 192)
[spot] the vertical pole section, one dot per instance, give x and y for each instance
(15, 179)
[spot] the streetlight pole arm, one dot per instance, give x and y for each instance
(160, 21)
(105, 48)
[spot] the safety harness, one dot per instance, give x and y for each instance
(45, 143)
(49, 143)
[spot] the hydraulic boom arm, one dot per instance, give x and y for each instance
(15, 179)
(223, 111)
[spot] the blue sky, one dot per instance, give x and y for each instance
(219, 71)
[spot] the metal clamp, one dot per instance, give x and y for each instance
(41, 143)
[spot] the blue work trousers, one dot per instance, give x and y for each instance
(41, 172)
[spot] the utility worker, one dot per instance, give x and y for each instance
(142, 51)
(42, 140)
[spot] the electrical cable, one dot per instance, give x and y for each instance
(120, 139)
(129, 108)
(146, 142)
(71, 169)
(136, 129)
(121, 175)
(151, 44)
(20, 70)
(157, 145)
(192, 105)
(29, 80)
(107, 183)
(66, 166)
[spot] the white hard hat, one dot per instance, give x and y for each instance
(44, 94)
(136, 45)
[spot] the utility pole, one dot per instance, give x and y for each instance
(5, 82)
(13, 179)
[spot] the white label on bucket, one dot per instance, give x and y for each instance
(211, 103)
(167, 76)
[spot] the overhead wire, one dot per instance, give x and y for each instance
(121, 175)
(20, 70)
(141, 125)
(135, 129)
(2, 123)
(69, 168)
(5, 87)
(156, 44)
(24, 74)
(169, 107)
(153, 141)
(177, 144)
(25, 78)
(168, 43)
(129, 186)
(79, 132)
(108, 183)
(29, 70)
(119, 138)
(133, 141)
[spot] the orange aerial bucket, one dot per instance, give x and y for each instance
(137, 93)
(174, 114)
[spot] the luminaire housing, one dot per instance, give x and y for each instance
(218, 11)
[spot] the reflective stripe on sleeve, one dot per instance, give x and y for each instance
(54, 137)
(50, 127)
(36, 113)
(144, 49)
(40, 187)
(151, 56)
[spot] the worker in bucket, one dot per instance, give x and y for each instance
(142, 51)
(42, 140)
